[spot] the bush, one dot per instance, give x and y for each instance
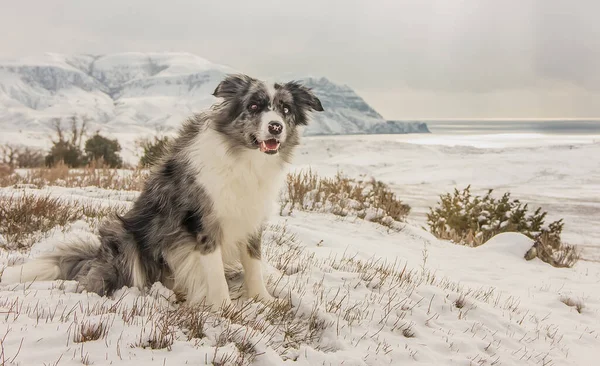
(64, 152)
(100, 148)
(472, 220)
(30, 158)
(21, 157)
(369, 200)
(153, 149)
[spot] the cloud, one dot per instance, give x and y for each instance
(431, 48)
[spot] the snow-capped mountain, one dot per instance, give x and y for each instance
(141, 91)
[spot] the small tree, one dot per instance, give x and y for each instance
(99, 147)
(67, 150)
(153, 149)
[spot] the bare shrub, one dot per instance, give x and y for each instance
(153, 149)
(66, 146)
(30, 158)
(549, 247)
(370, 200)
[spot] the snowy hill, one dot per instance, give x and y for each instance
(360, 295)
(138, 92)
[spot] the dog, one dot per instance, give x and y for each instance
(203, 206)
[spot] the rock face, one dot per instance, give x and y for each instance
(141, 91)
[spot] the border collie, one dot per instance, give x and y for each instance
(203, 206)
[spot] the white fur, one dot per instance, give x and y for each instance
(267, 117)
(137, 274)
(243, 189)
(270, 90)
(200, 276)
(253, 278)
(36, 270)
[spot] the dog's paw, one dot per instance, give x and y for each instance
(274, 302)
(212, 302)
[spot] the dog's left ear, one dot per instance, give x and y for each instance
(232, 86)
(304, 96)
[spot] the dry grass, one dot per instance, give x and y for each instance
(88, 331)
(60, 175)
(394, 304)
(345, 197)
(27, 217)
(552, 250)
(243, 331)
(577, 304)
(371, 200)
(22, 216)
(5, 170)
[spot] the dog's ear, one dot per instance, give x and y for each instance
(232, 85)
(303, 96)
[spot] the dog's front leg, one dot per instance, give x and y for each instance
(253, 276)
(198, 272)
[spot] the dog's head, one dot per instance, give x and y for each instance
(262, 116)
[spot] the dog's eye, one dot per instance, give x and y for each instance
(253, 107)
(286, 110)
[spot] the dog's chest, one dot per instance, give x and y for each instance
(242, 199)
(242, 189)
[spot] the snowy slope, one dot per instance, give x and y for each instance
(361, 295)
(139, 92)
(560, 173)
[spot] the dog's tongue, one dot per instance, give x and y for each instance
(267, 145)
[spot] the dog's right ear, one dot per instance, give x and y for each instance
(232, 86)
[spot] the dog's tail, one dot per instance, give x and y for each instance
(66, 262)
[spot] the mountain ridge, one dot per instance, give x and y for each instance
(149, 90)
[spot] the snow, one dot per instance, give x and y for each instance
(382, 296)
(560, 173)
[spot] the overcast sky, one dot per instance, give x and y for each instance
(409, 59)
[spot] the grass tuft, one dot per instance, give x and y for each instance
(27, 217)
(24, 215)
(370, 200)
(87, 332)
(577, 304)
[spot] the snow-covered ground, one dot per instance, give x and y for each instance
(361, 294)
(560, 173)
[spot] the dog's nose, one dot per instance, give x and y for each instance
(275, 128)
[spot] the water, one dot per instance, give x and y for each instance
(561, 127)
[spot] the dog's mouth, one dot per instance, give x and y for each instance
(270, 146)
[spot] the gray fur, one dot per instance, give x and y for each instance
(173, 210)
(254, 243)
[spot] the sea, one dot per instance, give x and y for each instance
(507, 133)
(562, 127)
